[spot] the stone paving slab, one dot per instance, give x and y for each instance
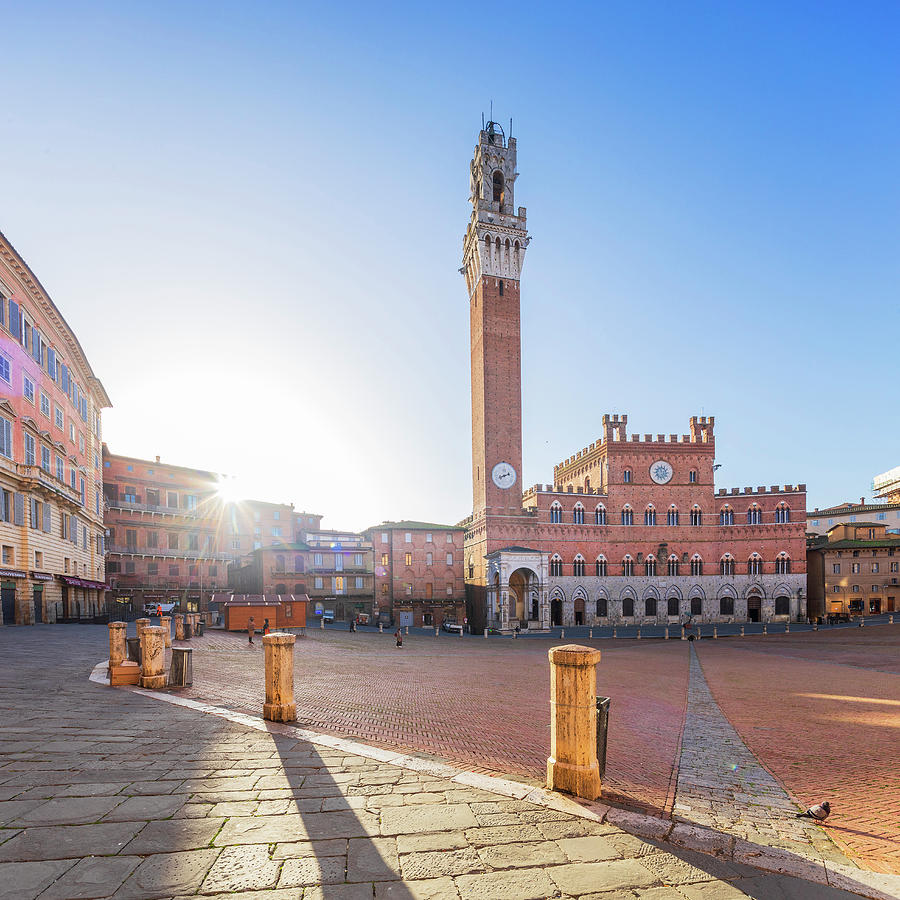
(399, 849)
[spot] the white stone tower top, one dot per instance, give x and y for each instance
(497, 236)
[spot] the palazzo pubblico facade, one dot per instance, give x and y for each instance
(632, 530)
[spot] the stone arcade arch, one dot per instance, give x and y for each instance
(652, 605)
(697, 601)
(755, 598)
(579, 601)
(726, 601)
(674, 603)
(557, 599)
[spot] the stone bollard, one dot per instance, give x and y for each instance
(862, 622)
(639, 632)
(140, 625)
(461, 630)
(816, 625)
(590, 632)
(667, 632)
(787, 627)
(890, 620)
(279, 653)
(153, 658)
(407, 629)
(165, 622)
(765, 628)
(118, 651)
(715, 633)
(742, 630)
(179, 627)
(485, 632)
(562, 633)
(682, 633)
(380, 627)
(615, 632)
(572, 765)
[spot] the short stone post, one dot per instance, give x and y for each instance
(667, 632)
(380, 627)
(462, 628)
(890, 620)
(787, 627)
(117, 648)
(322, 624)
(615, 632)
(862, 621)
(572, 765)
(816, 625)
(590, 632)
(742, 630)
(485, 632)
(562, 633)
(682, 633)
(715, 633)
(435, 631)
(153, 658)
(639, 632)
(165, 622)
(179, 627)
(140, 625)
(765, 628)
(407, 629)
(279, 653)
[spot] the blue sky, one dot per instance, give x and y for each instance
(253, 219)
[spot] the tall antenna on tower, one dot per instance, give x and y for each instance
(492, 110)
(482, 121)
(510, 126)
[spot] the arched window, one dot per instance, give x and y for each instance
(672, 565)
(672, 515)
(782, 564)
(628, 565)
(471, 567)
(696, 606)
(601, 566)
(627, 606)
(754, 565)
(696, 515)
(600, 514)
(578, 514)
(498, 187)
(726, 515)
(578, 565)
(298, 563)
(672, 606)
(726, 565)
(556, 565)
(650, 606)
(555, 513)
(279, 562)
(782, 514)
(696, 565)
(726, 606)
(782, 606)
(650, 565)
(626, 476)
(754, 515)
(650, 515)
(692, 476)
(627, 515)
(602, 607)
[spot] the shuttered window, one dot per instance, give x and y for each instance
(36, 348)
(15, 329)
(5, 438)
(19, 509)
(47, 523)
(29, 450)
(51, 363)
(65, 379)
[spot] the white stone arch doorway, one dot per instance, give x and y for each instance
(524, 595)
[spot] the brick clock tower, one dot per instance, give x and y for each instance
(493, 254)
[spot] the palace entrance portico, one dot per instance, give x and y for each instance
(517, 589)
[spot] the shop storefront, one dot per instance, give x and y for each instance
(10, 580)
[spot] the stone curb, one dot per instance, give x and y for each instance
(874, 885)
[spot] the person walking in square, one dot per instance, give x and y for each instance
(399, 635)
(266, 626)
(251, 627)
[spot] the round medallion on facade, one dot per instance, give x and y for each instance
(661, 472)
(504, 475)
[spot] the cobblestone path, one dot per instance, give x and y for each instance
(108, 793)
(722, 785)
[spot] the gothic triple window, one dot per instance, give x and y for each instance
(555, 514)
(782, 564)
(600, 515)
(601, 566)
(696, 516)
(650, 566)
(578, 514)
(754, 515)
(556, 566)
(726, 565)
(672, 516)
(672, 565)
(650, 516)
(696, 565)
(628, 566)
(754, 565)
(782, 514)
(578, 566)
(726, 516)
(628, 516)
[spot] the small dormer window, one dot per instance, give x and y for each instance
(498, 187)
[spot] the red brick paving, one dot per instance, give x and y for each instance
(479, 704)
(819, 748)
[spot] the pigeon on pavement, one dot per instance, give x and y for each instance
(820, 812)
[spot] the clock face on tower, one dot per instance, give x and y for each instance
(504, 475)
(661, 472)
